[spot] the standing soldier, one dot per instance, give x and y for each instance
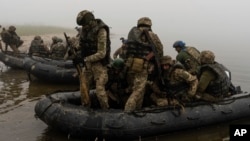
(94, 44)
(11, 38)
(188, 56)
(141, 58)
(5, 37)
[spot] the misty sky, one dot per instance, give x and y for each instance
(204, 23)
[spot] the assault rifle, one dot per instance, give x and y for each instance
(156, 55)
(83, 83)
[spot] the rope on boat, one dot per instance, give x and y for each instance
(142, 113)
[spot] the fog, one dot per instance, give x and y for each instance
(217, 24)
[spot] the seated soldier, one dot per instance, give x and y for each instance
(179, 83)
(214, 83)
(117, 85)
(188, 56)
(37, 48)
(57, 49)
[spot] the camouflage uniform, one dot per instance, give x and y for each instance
(117, 85)
(37, 47)
(121, 52)
(94, 44)
(180, 84)
(190, 62)
(213, 81)
(11, 38)
(4, 36)
(139, 62)
(58, 49)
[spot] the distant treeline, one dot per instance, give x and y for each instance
(25, 30)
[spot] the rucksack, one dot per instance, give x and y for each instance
(194, 53)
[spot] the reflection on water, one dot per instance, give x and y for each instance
(12, 89)
(16, 88)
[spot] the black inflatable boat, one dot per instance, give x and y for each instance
(63, 111)
(13, 60)
(49, 70)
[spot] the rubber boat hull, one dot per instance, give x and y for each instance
(12, 60)
(63, 111)
(55, 71)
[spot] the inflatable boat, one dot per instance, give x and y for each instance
(13, 60)
(55, 71)
(64, 112)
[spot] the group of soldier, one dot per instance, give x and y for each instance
(139, 73)
(56, 51)
(37, 47)
(10, 38)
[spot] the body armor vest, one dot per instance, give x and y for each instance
(89, 41)
(58, 51)
(37, 47)
(221, 84)
(174, 87)
(137, 47)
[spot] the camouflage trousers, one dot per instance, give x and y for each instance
(96, 74)
(138, 83)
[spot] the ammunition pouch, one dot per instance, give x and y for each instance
(137, 65)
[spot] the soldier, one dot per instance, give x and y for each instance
(1, 42)
(57, 49)
(94, 44)
(11, 38)
(5, 37)
(117, 83)
(37, 47)
(188, 56)
(214, 83)
(180, 84)
(121, 51)
(140, 61)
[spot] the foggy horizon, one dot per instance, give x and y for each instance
(216, 24)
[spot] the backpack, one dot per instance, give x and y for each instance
(192, 51)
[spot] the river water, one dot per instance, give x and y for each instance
(18, 97)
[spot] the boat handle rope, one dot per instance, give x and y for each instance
(141, 113)
(226, 102)
(55, 101)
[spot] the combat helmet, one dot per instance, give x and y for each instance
(54, 38)
(84, 17)
(118, 63)
(12, 28)
(37, 37)
(144, 21)
(207, 57)
(179, 43)
(166, 60)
